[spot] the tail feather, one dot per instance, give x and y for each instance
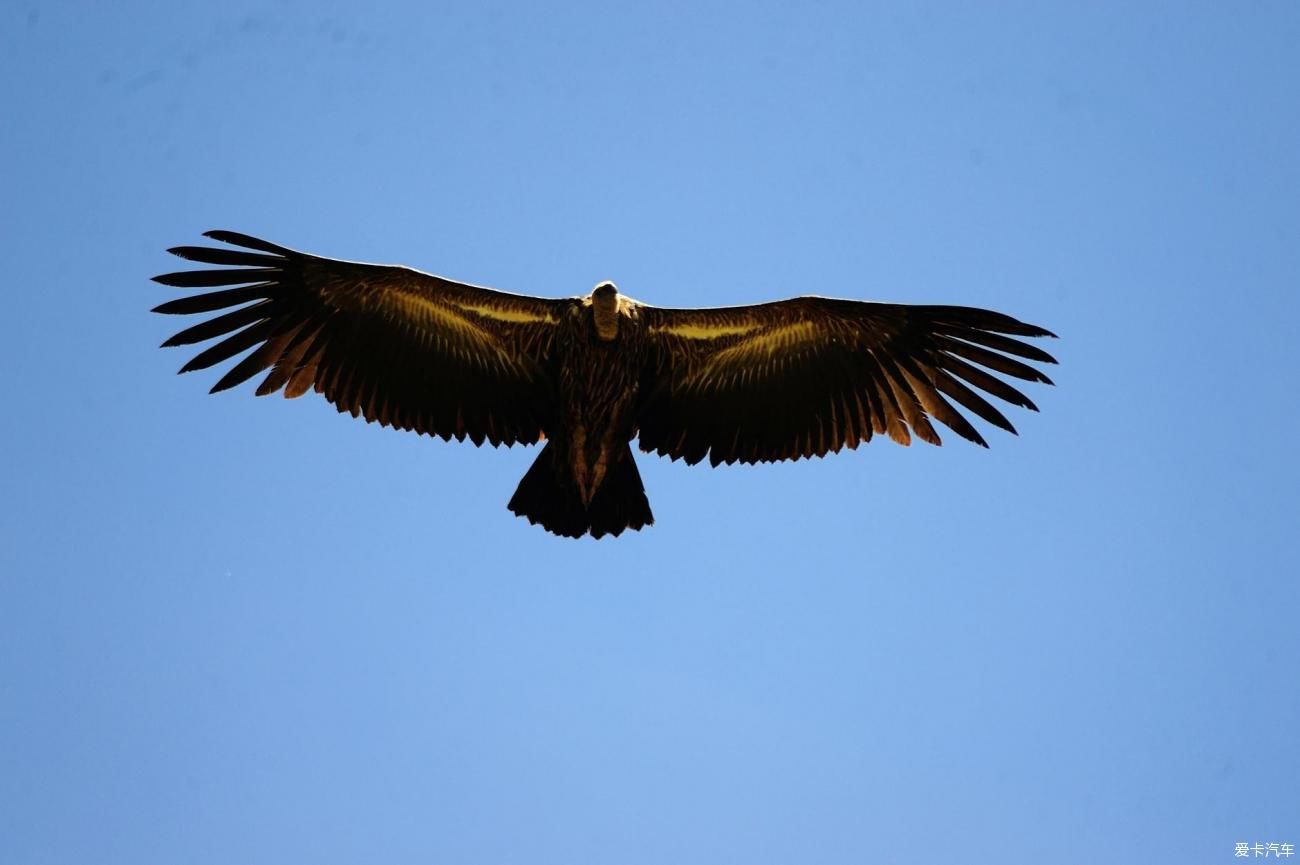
(620, 503)
(549, 497)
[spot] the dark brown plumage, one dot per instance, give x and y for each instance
(774, 381)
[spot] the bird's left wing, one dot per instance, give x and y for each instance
(811, 375)
(388, 343)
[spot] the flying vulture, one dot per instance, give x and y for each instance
(774, 381)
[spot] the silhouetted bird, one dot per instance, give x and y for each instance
(774, 381)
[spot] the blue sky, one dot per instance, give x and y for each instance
(251, 630)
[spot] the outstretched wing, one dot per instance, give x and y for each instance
(388, 343)
(808, 376)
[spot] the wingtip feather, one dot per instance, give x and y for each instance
(247, 241)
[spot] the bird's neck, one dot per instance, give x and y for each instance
(604, 312)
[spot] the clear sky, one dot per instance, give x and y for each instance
(239, 630)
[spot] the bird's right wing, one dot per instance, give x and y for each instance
(394, 345)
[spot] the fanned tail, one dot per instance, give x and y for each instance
(548, 497)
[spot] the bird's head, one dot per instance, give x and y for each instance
(604, 310)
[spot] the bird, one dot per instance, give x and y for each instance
(586, 376)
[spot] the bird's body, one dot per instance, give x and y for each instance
(588, 375)
(599, 364)
(597, 358)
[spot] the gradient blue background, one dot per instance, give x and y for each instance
(243, 630)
